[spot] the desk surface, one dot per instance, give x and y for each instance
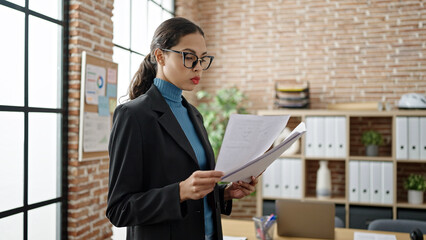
(245, 228)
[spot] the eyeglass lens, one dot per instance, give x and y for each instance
(190, 61)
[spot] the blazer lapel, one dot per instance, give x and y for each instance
(197, 120)
(169, 122)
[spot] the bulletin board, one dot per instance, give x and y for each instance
(98, 99)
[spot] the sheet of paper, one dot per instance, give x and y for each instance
(112, 76)
(234, 238)
(111, 90)
(103, 106)
(373, 236)
(256, 166)
(96, 131)
(247, 137)
(95, 83)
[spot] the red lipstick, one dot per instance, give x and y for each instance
(195, 80)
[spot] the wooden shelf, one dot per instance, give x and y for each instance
(411, 161)
(276, 198)
(339, 200)
(414, 206)
(371, 204)
(291, 156)
(325, 158)
(364, 158)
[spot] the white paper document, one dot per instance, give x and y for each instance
(373, 236)
(247, 138)
(234, 238)
(96, 131)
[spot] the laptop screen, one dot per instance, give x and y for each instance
(309, 219)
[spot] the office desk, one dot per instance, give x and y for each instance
(245, 228)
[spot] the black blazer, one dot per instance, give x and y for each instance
(149, 156)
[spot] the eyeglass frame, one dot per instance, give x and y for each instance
(193, 63)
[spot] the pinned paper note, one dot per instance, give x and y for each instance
(112, 104)
(96, 132)
(103, 106)
(95, 83)
(112, 76)
(112, 90)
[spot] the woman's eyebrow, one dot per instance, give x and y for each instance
(193, 51)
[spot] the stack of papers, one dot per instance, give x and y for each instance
(247, 138)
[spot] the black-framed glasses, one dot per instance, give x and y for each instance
(190, 60)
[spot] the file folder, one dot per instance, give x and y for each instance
(329, 137)
(296, 178)
(376, 182)
(364, 181)
(286, 178)
(267, 182)
(340, 144)
(276, 182)
(319, 140)
(354, 181)
(270, 183)
(413, 138)
(401, 138)
(387, 182)
(309, 140)
(423, 138)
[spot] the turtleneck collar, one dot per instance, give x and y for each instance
(168, 90)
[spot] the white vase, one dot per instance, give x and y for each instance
(415, 197)
(323, 188)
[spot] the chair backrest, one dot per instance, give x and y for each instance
(398, 225)
(338, 223)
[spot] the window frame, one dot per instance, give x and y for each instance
(129, 48)
(62, 111)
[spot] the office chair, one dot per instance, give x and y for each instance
(398, 225)
(338, 223)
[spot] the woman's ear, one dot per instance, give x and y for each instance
(159, 56)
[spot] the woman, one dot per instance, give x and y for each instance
(161, 183)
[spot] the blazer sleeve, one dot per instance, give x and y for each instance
(225, 206)
(127, 204)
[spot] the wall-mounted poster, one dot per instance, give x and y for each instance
(97, 103)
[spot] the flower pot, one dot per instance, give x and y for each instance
(415, 197)
(372, 150)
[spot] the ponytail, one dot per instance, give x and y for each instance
(143, 78)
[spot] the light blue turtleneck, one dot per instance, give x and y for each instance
(173, 97)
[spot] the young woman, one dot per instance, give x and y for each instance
(161, 182)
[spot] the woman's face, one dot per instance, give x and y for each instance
(171, 67)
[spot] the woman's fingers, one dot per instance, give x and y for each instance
(199, 184)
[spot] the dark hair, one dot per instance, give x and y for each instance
(166, 36)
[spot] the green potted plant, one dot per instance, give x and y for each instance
(217, 110)
(371, 140)
(416, 185)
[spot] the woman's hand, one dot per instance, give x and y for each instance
(199, 184)
(240, 189)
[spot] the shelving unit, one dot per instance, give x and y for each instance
(356, 123)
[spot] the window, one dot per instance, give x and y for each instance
(134, 24)
(32, 119)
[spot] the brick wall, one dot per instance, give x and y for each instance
(90, 29)
(347, 50)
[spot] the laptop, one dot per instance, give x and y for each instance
(306, 219)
